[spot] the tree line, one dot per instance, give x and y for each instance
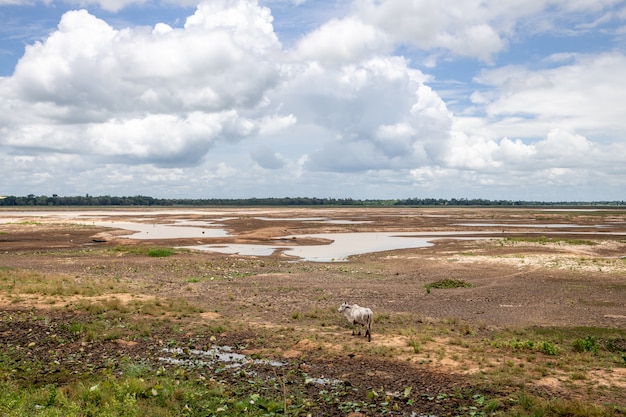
(139, 200)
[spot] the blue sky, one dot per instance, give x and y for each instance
(513, 100)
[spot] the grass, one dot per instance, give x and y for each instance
(21, 282)
(544, 240)
(446, 283)
(142, 392)
(153, 252)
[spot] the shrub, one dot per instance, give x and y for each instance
(549, 348)
(588, 344)
(447, 283)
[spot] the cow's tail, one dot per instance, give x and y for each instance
(368, 332)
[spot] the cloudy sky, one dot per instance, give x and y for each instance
(516, 99)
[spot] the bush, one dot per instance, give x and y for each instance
(588, 344)
(447, 283)
(549, 348)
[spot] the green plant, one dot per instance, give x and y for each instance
(587, 344)
(543, 240)
(446, 284)
(415, 345)
(160, 252)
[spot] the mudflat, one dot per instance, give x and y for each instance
(486, 274)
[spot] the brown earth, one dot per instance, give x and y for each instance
(577, 280)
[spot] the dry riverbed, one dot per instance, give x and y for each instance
(540, 315)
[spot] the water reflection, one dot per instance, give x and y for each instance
(342, 246)
(165, 231)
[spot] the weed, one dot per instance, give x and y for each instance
(415, 345)
(588, 344)
(160, 252)
(143, 250)
(543, 240)
(446, 284)
(615, 344)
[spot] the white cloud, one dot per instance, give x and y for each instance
(479, 41)
(583, 96)
(16, 2)
(109, 5)
(272, 125)
(88, 64)
(162, 96)
(374, 114)
(341, 41)
(472, 153)
(220, 103)
(462, 27)
(474, 28)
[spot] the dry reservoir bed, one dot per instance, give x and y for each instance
(459, 295)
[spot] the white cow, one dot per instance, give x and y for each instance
(358, 315)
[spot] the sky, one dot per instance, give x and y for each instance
(364, 99)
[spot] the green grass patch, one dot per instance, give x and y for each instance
(160, 252)
(544, 240)
(447, 284)
(141, 392)
(527, 404)
(155, 252)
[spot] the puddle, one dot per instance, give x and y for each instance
(322, 381)
(341, 247)
(164, 231)
(196, 358)
(224, 354)
(347, 244)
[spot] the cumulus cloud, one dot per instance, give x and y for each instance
(342, 41)
(162, 95)
(210, 64)
(581, 95)
(462, 27)
(91, 100)
(375, 114)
